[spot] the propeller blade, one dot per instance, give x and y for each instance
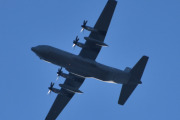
(51, 86)
(77, 39)
(86, 22)
(82, 30)
(59, 72)
(49, 92)
(57, 78)
(74, 45)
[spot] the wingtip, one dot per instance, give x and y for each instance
(144, 56)
(121, 103)
(113, 1)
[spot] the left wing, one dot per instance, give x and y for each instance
(60, 102)
(62, 99)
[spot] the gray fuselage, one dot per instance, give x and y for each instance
(81, 66)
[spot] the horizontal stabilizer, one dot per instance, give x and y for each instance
(135, 79)
(126, 91)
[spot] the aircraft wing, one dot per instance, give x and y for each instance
(102, 26)
(62, 99)
(60, 102)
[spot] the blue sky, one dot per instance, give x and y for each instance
(138, 27)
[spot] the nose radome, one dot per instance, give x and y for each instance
(33, 49)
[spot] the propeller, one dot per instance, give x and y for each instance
(84, 25)
(59, 73)
(50, 88)
(75, 41)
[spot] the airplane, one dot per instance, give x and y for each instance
(84, 66)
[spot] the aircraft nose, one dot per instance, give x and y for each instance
(33, 49)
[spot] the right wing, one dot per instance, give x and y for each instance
(62, 99)
(102, 26)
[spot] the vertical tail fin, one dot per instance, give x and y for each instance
(138, 69)
(135, 79)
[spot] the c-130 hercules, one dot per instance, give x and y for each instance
(84, 65)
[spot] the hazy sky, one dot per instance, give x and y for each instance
(138, 27)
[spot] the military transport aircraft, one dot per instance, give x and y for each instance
(84, 65)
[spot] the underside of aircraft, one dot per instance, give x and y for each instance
(84, 66)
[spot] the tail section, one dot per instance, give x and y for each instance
(137, 70)
(135, 79)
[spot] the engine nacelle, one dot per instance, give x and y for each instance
(97, 42)
(64, 75)
(80, 45)
(69, 88)
(55, 90)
